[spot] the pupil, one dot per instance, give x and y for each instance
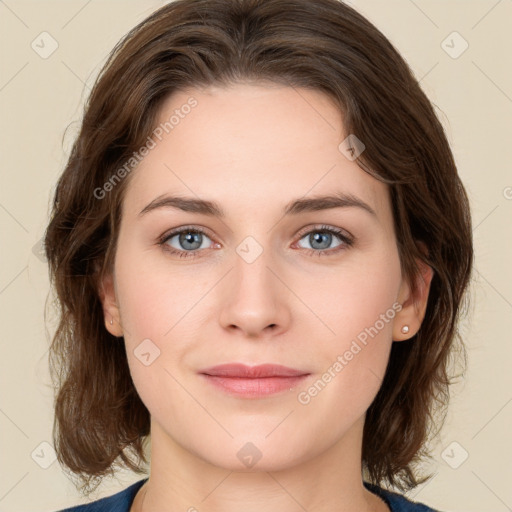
(318, 237)
(191, 238)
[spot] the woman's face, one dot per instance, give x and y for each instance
(266, 282)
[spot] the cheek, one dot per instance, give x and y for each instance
(154, 306)
(359, 306)
(356, 297)
(160, 315)
(152, 298)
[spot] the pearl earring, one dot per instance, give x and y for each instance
(111, 321)
(405, 329)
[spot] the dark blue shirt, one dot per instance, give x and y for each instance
(122, 501)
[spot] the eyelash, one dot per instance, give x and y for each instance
(347, 241)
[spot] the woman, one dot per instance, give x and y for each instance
(260, 246)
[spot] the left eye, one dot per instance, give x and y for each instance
(322, 239)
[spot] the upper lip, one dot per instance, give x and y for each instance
(252, 372)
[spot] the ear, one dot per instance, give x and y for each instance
(111, 312)
(413, 306)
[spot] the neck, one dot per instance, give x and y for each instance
(330, 480)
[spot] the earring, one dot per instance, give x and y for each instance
(405, 329)
(111, 321)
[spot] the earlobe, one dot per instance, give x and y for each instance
(408, 320)
(108, 300)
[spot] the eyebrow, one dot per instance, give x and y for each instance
(213, 209)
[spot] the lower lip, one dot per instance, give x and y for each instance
(254, 388)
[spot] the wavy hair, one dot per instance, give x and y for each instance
(324, 45)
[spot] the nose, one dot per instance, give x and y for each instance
(255, 299)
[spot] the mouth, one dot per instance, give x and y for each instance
(253, 381)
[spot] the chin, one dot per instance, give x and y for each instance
(246, 454)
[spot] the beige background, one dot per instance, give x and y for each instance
(40, 97)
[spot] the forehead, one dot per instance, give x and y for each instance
(249, 144)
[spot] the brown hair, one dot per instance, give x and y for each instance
(323, 45)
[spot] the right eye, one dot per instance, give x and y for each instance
(189, 240)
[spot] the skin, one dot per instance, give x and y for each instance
(254, 148)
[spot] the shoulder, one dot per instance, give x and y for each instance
(119, 502)
(397, 502)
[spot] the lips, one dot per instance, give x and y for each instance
(262, 371)
(253, 382)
